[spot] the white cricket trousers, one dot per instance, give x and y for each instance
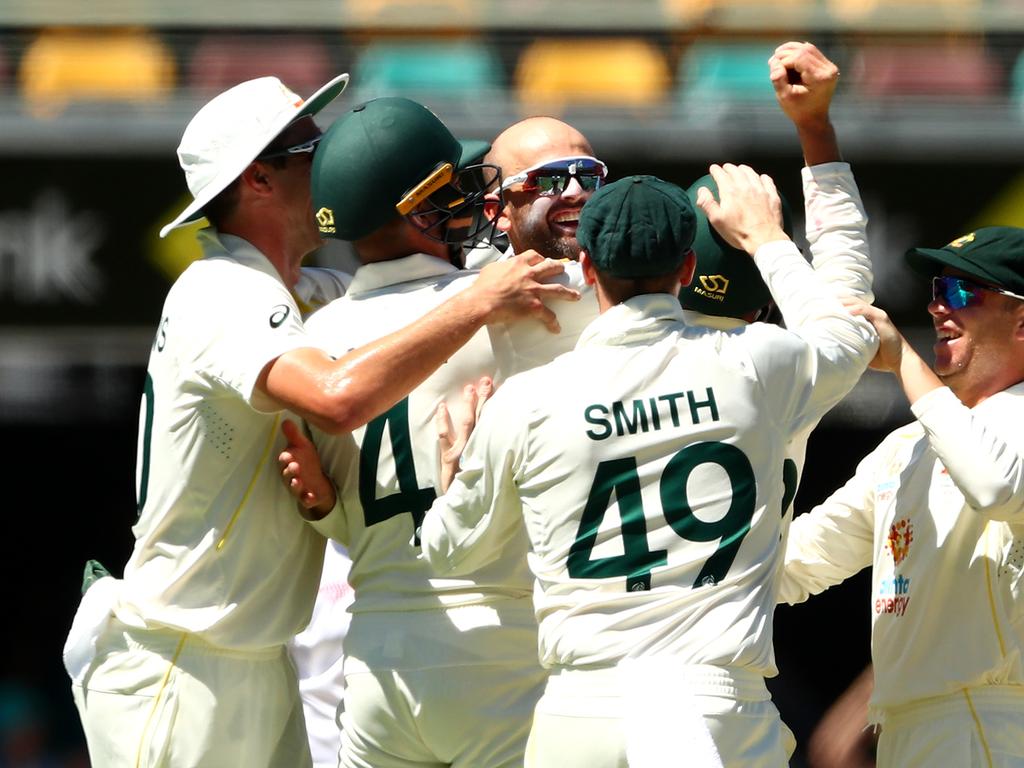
(452, 688)
(656, 714)
(973, 728)
(167, 699)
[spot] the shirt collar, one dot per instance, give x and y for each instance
(381, 274)
(639, 319)
(220, 245)
(718, 322)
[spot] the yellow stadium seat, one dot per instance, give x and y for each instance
(606, 72)
(64, 66)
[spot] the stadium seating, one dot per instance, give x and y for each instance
(219, 61)
(619, 72)
(427, 69)
(711, 73)
(64, 66)
(958, 72)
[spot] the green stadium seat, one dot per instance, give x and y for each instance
(711, 73)
(427, 69)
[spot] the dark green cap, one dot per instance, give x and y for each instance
(726, 282)
(638, 226)
(372, 156)
(994, 255)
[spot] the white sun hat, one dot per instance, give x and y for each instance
(232, 129)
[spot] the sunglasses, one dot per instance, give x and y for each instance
(306, 147)
(552, 176)
(959, 292)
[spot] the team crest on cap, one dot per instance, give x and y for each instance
(960, 242)
(325, 220)
(901, 534)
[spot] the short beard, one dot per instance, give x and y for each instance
(554, 247)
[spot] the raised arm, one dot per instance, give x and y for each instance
(805, 81)
(838, 347)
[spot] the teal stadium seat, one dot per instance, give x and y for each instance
(1016, 84)
(426, 70)
(714, 74)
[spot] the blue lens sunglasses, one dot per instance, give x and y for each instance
(552, 176)
(959, 292)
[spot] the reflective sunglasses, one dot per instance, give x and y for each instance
(552, 176)
(306, 147)
(959, 292)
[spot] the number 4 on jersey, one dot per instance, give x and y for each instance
(410, 497)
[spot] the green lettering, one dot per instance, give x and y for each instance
(696, 406)
(589, 414)
(622, 422)
(673, 410)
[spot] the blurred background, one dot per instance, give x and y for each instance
(94, 97)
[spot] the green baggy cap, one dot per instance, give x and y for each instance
(994, 255)
(726, 282)
(638, 226)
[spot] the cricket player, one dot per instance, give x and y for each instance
(183, 662)
(646, 464)
(727, 290)
(438, 671)
(549, 171)
(938, 510)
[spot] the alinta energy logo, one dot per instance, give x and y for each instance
(713, 287)
(894, 593)
(325, 221)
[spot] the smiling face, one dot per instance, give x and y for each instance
(545, 223)
(979, 348)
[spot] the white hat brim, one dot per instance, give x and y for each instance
(311, 106)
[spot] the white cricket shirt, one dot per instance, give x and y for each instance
(387, 471)
(647, 464)
(938, 509)
(220, 550)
